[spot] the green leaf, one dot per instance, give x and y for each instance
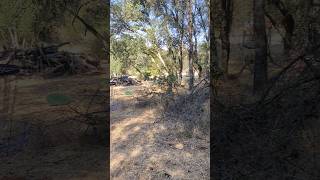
(128, 93)
(58, 99)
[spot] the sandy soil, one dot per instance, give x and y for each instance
(145, 146)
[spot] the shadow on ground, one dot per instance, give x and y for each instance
(147, 145)
(59, 146)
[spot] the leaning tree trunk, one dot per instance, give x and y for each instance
(190, 53)
(260, 65)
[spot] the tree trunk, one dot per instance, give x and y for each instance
(181, 35)
(288, 23)
(190, 54)
(226, 7)
(181, 51)
(181, 58)
(213, 53)
(204, 27)
(214, 121)
(196, 58)
(306, 33)
(260, 65)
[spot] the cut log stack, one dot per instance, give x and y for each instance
(49, 60)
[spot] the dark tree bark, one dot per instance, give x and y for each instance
(213, 54)
(181, 40)
(227, 9)
(181, 57)
(260, 65)
(288, 23)
(190, 39)
(214, 122)
(309, 25)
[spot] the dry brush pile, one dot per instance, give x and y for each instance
(49, 60)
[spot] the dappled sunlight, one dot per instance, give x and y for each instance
(178, 173)
(150, 135)
(116, 160)
(136, 129)
(187, 155)
(179, 146)
(136, 151)
(144, 147)
(120, 131)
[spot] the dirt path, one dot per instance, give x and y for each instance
(144, 146)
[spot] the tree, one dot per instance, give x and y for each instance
(202, 13)
(227, 10)
(179, 21)
(190, 40)
(172, 30)
(260, 65)
(287, 21)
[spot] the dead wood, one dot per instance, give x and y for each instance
(49, 60)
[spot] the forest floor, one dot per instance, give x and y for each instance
(144, 145)
(56, 146)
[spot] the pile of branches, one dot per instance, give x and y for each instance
(124, 81)
(275, 137)
(48, 60)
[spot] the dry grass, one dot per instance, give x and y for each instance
(144, 145)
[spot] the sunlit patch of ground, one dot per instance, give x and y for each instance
(145, 147)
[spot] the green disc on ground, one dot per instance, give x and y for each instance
(58, 99)
(128, 93)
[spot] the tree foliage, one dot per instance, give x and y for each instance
(158, 32)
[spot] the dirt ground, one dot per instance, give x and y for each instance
(58, 147)
(146, 146)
